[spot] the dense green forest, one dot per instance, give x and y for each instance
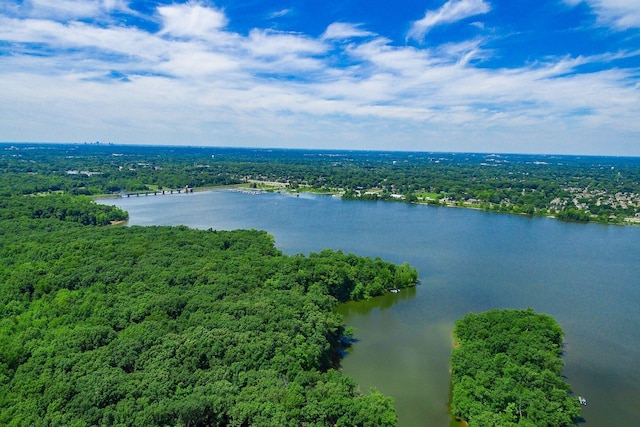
(506, 371)
(601, 189)
(169, 326)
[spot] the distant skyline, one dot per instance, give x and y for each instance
(556, 77)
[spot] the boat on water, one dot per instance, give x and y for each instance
(582, 400)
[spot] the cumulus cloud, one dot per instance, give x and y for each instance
(451, 11)
(191, 20)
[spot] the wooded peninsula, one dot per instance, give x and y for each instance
(166, 326)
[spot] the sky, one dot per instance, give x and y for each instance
(510, 76)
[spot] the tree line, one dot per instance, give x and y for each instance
(60, 206)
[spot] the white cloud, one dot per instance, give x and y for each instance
(619, 14)
(191, 20)
(191, 61)
(66, 9)
(342, 30)
(133, 43)
(280, 13)
(274, 43)
(451, 11)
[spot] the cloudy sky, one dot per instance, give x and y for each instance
(519, 76)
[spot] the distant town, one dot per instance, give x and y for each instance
(576, 188)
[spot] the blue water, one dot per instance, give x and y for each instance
(587, 276)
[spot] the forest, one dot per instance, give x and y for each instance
(102, 324)
(506, 371)
(170, 326)
(575, 188)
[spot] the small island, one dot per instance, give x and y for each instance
(506, 371)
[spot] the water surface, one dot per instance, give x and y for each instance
(587, 276)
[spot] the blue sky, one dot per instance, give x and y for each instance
(547, 76)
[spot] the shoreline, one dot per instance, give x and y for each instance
(272, 187)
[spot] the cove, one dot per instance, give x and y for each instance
(586, 276)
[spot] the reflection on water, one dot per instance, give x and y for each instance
(401, 357)
(382, 302)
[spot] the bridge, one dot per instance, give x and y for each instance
(158, 192)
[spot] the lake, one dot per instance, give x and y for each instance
(586, 276)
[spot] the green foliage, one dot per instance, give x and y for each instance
(60, 206)
(506, 371)
(167, 326)
(573, 214)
